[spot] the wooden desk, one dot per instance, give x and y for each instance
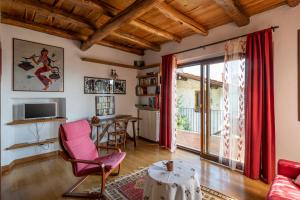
(105, 124)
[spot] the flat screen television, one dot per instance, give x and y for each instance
(40, 110)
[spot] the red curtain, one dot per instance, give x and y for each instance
(167, 70)
(259, 108)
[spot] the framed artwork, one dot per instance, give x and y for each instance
(119, 87)
(94, 85)
(37, 67)
(298, 75)
(105, 105)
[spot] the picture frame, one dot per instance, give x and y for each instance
(37, 67)
(94, 85)
(119, 87)
(105, 105)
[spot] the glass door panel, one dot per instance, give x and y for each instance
(188, 108)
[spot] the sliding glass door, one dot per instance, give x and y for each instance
(214, 110)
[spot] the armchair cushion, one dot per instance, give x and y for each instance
(110, 161)
(77, 141)
(297, 180)
(288, 168)
(283, 188)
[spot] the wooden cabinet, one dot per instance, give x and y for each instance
(149, 125)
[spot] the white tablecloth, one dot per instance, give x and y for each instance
(181, 184)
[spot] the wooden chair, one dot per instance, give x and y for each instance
(79, 149)
(118, 135)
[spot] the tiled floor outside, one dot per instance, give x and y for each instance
(192, 140)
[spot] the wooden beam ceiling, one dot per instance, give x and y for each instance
(135, 10)
(140, 24)
(154, 30)
(5, 19)
(233, 10)
(174, 14)
(47, 10)
(11, 20)
(293, 3)
(121, 47)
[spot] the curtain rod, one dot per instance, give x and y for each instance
(214, 43)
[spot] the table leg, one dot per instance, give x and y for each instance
(133, 129)
(97, 135)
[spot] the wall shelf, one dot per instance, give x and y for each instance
(31, 121)
(141, 107)
(29, 144)
(147, 95)
(147, 76)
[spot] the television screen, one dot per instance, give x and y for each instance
(40, 110)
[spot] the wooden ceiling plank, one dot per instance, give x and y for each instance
(11, 20)
(48, 10)
(232, 9)
(120, 47)
(112, 11)
(293, 3)
(138, 8)
(154, 30)
(174, 14)
(137, 40)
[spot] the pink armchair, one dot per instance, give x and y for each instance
(283, 187)
(79, 149)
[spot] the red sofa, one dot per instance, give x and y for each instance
(283, 187)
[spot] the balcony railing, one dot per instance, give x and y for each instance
(188, 119)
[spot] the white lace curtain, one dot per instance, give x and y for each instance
(232, 139)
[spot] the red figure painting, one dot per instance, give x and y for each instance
(46, 61)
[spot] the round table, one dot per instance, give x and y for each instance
(182, 183)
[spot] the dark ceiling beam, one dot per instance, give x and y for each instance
(233, 10)
(138, 8)
(15, 21)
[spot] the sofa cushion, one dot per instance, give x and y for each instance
(297, 180)
(282, 186)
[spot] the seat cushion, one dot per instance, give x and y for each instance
(76, 129)
(110, 161)
(283, 188)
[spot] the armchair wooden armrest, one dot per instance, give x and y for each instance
(106, 147)
(87, 162)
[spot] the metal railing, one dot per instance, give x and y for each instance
(188, 119)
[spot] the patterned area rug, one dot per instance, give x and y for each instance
(130, 187)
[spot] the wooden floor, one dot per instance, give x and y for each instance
(48, 179)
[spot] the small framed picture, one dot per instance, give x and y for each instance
(105, 105)
(119, 87)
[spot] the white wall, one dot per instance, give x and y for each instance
(285, 67)
(78, 104)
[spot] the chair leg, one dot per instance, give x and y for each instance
(124, 140)
(103, 184)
